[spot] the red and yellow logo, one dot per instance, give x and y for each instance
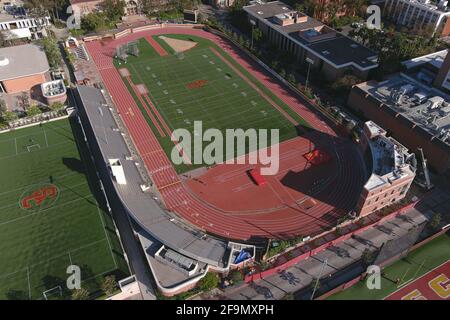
(39, 197)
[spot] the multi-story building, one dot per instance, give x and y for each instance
(391, 167)
(15, 23)
(419, 14)
(414, 106)
(222, 3)
(326, 51)
(132, 7)
(22, 68)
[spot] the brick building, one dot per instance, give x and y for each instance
(414, 106)
(391, 167)
(22, 68)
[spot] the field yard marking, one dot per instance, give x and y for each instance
(70, 258)
(34, 213)
(417, 279)
(30, 185)
(254, 86)
(107, 239)
(45, 136)
(19, 154)
(29, 282)
(38, 182)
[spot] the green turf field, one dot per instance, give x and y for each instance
(40, 238)
(415, 265)
(226, 101)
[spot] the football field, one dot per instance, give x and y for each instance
(50, 218)
(419, 264)
(202, 84)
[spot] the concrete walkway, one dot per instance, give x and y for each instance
(338, 257)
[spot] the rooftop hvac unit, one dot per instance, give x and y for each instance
(435, 102)
(407, 88)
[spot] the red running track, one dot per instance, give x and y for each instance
(160, 50)
(275, 212)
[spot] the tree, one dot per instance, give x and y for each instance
(80, 294)
(257, 34)
(435, 220)
(33, 111)
(114, 9)
(52, 51)
(291, 79)
(367, 257)
(56, 106)
(208, 282)
(9, 116)
(95, 21)
(236, 276)
(345, 83)
(3, 107)
(24, 100)
(109, 285)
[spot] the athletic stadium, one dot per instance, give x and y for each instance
(169, 77)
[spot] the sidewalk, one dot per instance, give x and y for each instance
(338, 257)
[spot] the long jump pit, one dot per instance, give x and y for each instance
(434, 285)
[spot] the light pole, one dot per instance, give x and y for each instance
(309, 62)
(253, 23)
(325, 263)
(103, 124)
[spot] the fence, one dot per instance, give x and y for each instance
(125, 32)
(35, 120)
(311, 252)
(354, 281)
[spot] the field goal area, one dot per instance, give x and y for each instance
(53, 293)
(434, 285)
(54, 218)
(33, 147)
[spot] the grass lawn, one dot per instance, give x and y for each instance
(50, 216)
(416, 264)
(224, 101)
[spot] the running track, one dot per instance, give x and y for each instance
(181, 199)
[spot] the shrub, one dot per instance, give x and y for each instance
(208, 282)
(33, 111)
(80, 294)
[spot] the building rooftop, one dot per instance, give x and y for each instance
(390, 159)
(21, 61)
(435, 59)
(424, 106)
(143, 208)
(314, 36)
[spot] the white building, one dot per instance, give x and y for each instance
(419, 14)
(16, 24)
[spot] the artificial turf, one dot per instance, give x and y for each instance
(415, 265)
(225, 101)
(39, 242)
